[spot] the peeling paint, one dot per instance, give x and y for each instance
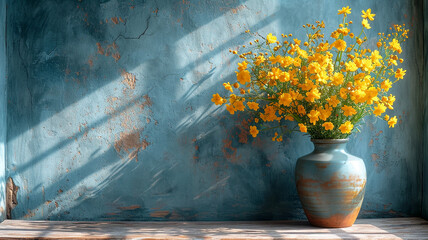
(11, 197)
(229, 151)
(131, 144)
(160, 214)
(129, 79)
(375, 157)
(115, 20)
(132, 207)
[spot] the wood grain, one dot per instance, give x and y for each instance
(386, 228)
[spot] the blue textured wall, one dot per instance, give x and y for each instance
(110, 118)
(3, 112)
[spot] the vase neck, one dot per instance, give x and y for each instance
(329, 144)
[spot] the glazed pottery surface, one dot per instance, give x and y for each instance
(331, 184)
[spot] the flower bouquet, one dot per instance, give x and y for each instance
(327, 85)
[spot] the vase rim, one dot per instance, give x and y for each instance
(330, 141)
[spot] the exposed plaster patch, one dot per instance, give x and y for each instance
(132, 207)
(100, 49)
(11, 200)
(29, 214)
(129, 79)
(147, 102)
(115, 20)
(243, 127)
(234, 10)
(160, 214)
(131, 144)
(110, 50)
(229, 151)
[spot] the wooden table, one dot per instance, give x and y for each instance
(386, 228)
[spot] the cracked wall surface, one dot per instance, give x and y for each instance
(109, 112)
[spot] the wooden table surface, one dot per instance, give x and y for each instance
(385, 228)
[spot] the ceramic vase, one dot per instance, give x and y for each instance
(331, 184)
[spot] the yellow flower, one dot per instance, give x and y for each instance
(344, 11)
(274, 137)
(337, 79)
(392, 121)
(395, 46)
(259, 59)
(365, 24)
(314, 67)
(325, 113)
(386, 117)
(286, 61)
(371, 94)
(322, 47)
(328, 126)
(346, 127)
(243, 76)
(386, 85)
(391, 100)
(275, 59)
(269, 115)
(343, 93)
(217, 99)
(230, 108)
(274, 73)
(366, 65)
(312, 95)
(313, 116)
(284, 77)
(301, 110)
(285, 99)
(297, 62)
(339, 44)
(348, 110)
(242, 66)
(303, 128)
(253, 105)
(375, 56)
(254, 131)
(270, 38)
(335, 34)
(358, 96)
(295, 95)
(379, 109)
(228, 87)
(236, 85)
(343, 31)
(351, 67)
(399, 74)
(289, 118)
(332, 101)
(368, 14)
(239, 106)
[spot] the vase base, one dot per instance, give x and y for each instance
(335, 221)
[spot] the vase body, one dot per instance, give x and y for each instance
(331, 184)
